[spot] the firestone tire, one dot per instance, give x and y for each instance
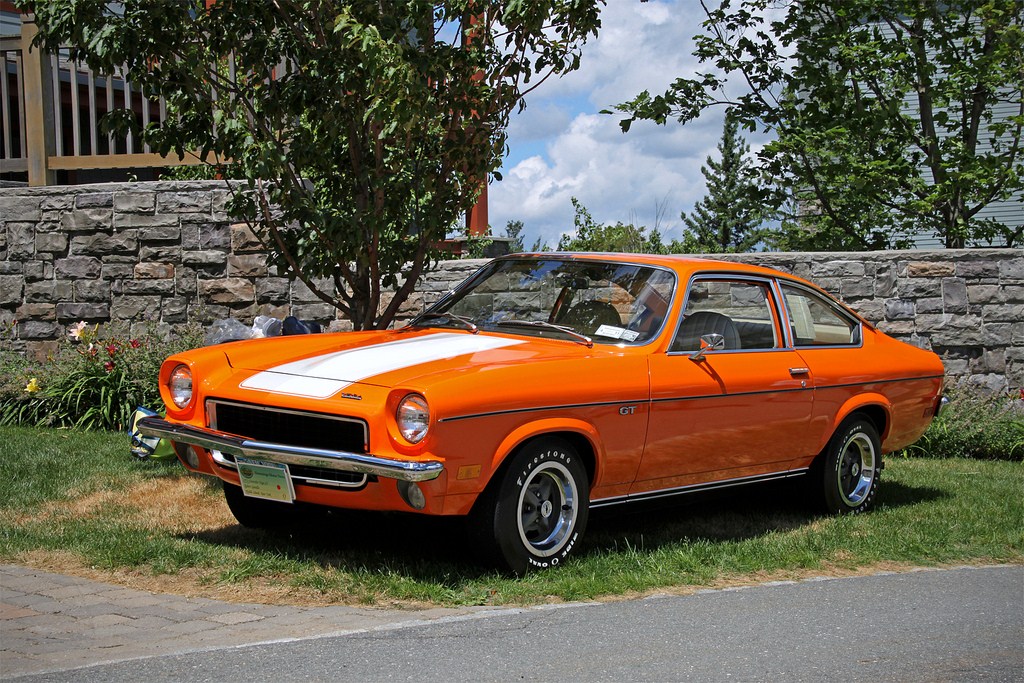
(849, 470)
(256, 513)
(536, 515)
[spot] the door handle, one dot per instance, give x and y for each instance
(799, 371)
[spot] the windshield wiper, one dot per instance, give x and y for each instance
(466, 322)
(581, 338)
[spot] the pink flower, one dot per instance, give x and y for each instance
(108, 366)
(135, 343)
(111, 350)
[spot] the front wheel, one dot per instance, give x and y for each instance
(538, 511)
(849, 469)
(257, 513)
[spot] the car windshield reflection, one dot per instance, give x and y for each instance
(607, 302)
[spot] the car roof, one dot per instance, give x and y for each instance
(684, 265)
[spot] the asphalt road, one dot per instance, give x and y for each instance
(964, 624)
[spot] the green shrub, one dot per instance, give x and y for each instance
(94, 381)
(975, 424)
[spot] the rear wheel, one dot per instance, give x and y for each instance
(535, 515)
(847, 473)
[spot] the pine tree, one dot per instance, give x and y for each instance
(621, 238)
(729, 217)
(514, 233)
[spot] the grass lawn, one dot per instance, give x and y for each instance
(77, 502)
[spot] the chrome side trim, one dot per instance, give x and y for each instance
(647, 401)
(313, 481)
(341, 461)
(696, 488)
(573, 406)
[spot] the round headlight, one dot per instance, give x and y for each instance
(413, 418)
(180, 386)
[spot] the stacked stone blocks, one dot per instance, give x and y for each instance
(165, 253)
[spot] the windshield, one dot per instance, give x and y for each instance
(610, 303)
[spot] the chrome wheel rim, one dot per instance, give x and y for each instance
(856, 471)
(548, 507)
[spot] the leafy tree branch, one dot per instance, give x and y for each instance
(362, 130)
(891, 119)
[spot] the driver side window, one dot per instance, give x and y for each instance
(739, 310)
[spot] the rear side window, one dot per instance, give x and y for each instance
(815, 321)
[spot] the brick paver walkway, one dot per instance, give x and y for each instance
(51, 622)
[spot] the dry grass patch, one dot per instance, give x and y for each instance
(276, 590)
(179, 505)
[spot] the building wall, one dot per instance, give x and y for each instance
(159, 254)
(1008, 211)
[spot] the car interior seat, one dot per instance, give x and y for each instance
(697, 324)
(588, 316)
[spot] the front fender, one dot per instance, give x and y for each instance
(529, 431)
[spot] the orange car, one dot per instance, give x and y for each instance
(550, 384)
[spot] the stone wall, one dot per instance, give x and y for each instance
(137, 254)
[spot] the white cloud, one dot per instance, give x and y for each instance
(618, 178)
(560, 147)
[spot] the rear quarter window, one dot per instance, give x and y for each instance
(816, 321)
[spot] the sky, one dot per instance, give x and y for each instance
(561, 147)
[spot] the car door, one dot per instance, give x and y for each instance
(830, 341)
(736, 412)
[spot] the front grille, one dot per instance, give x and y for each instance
(278, 425)
(291, 427)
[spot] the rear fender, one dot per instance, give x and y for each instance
(868, 403)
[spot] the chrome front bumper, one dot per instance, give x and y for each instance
(341, 461)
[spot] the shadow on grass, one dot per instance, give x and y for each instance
(430, 549)
(898, 494)
(436, 549)
(727, 516)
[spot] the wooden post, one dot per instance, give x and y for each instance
(476, 218)
(38, 88)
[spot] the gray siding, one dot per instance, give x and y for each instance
(1009, 212)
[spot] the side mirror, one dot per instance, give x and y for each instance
(708, 342)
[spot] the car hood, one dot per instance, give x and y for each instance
(309, 368)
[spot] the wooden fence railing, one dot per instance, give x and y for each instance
(51, 109)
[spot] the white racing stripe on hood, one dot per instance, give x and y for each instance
(326, 375)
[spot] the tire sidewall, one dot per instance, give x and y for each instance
(835, 502)
(256, 513)
(520, 556)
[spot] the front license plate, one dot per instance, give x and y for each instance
(268, 480)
